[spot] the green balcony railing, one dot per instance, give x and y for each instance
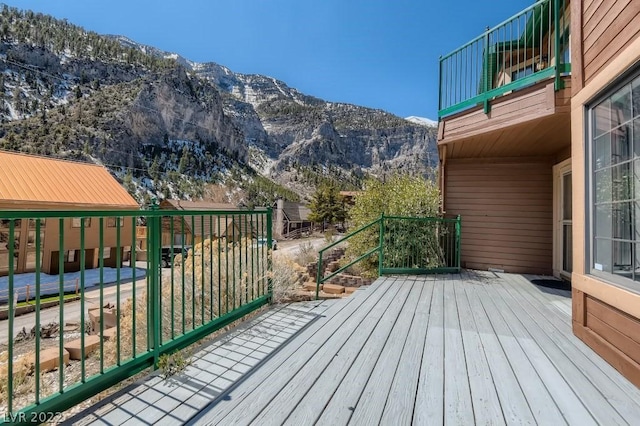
(405, 245)
(529, 47)
(135, 284)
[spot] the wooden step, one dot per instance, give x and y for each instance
(333, 289)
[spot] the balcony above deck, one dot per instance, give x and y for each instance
(530, 122)
(509, 87)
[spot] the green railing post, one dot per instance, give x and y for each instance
(440, 83)
(559, 83)
(485, 72)
(10, 297)
(381, 245)
(270, 252)
(154, 229)
(319, 274)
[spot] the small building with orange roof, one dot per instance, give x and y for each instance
(29, 182)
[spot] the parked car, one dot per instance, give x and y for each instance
(262, 241)
(170, 252)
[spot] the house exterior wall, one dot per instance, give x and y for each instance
(608, 27)
(51, 243)
(506, 210)
(606, 315)
(91, 244)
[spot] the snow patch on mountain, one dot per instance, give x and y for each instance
(422, 121)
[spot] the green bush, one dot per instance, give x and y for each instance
(407, 243)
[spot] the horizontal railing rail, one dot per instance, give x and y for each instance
(147, 283)
(527, 48)
(405, 245)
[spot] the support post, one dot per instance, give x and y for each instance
(559, 83)
(270, 253)
(154, 229)
(381, 245)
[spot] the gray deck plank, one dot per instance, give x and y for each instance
(402, 395)
(354, 309)
(486, 404)
(475, 348)
(564, 327)
(564, 399)
(344, 400)
(538, 398)
(316, 394)
(458, 408)
(154, 398)
(372, 401)
(592, 386)
(429, 405)
(334, 359)
(534, 298)
(515, 408)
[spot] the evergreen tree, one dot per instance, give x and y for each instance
(128, 184)
(185, 159)
(154, 172)
(327, 206)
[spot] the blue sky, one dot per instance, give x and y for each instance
(375, 53)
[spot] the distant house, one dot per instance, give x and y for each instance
(291, 218)
(30, 182)
(201, 227)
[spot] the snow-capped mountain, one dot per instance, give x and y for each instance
(74, 93)
(422, 121)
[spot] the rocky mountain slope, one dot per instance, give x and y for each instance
(168, 126)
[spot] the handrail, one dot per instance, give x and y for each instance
(512, 55)
(406, 245)
(320, 279)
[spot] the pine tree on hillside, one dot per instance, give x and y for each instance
(327, 206)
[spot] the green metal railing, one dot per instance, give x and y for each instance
(136, 298)
(405, 245)
(521, 51)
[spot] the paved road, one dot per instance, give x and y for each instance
(290, 248)
(72, 309)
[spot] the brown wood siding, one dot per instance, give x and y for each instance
(518, 107)
(613, 334)
(506, 209)
(608, 26)
(530, 122)
(577, 16)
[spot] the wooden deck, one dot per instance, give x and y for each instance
(476, 348)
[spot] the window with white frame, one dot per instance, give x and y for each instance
(614, 183)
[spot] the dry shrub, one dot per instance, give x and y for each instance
(284, 279)
(24, 382)
(306, 254)
(218, 278)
